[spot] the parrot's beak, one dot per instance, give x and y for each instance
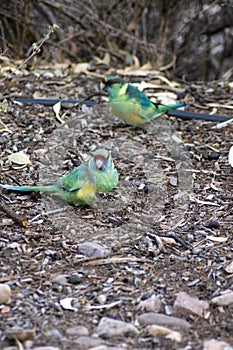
(99, 163)
(102, 85)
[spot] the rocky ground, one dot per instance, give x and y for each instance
(152, 266)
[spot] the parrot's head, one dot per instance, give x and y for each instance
(101, 160)
(108, 81)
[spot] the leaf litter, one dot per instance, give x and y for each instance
(161, 226)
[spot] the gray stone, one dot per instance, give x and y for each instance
(93, 250)
(77, 331)
(186, 305)
(162, 320)
(214, 344)
(86, 342)
(224, 299)
(152, 304)
(109, 327)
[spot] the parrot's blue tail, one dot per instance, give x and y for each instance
(50, 188)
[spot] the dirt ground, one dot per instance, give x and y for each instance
(166, 228)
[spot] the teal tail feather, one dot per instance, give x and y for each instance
(162, 109)
(176, 105)
(165, 108)
(50, 188)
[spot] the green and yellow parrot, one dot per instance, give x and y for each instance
(130, 104)
(79, 187)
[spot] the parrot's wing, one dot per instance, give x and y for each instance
(131, 110)
(74, 179)
(135, 96)
(79, 186)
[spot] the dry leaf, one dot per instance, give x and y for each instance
(106, 60)
(139, 72)
(144, 85)
(66, 304)
(19, 158)
(3, 105)
(80, 67)
(165, 97)
(147, 66)
(57, 109)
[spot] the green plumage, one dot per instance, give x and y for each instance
(79, 187)
(130, 104)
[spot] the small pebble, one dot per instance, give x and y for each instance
(5, 294)
(86, 342)
(214, 344)
(60, 279)
(152, 304)
(109, 327)
(93, 250)
(173, 181)
(75, 279)
(102, 299)
(224, 299)
(77, 331)
(160, 331)
(213, 155)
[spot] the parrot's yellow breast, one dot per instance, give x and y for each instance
(87, 192)
(129, 112)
